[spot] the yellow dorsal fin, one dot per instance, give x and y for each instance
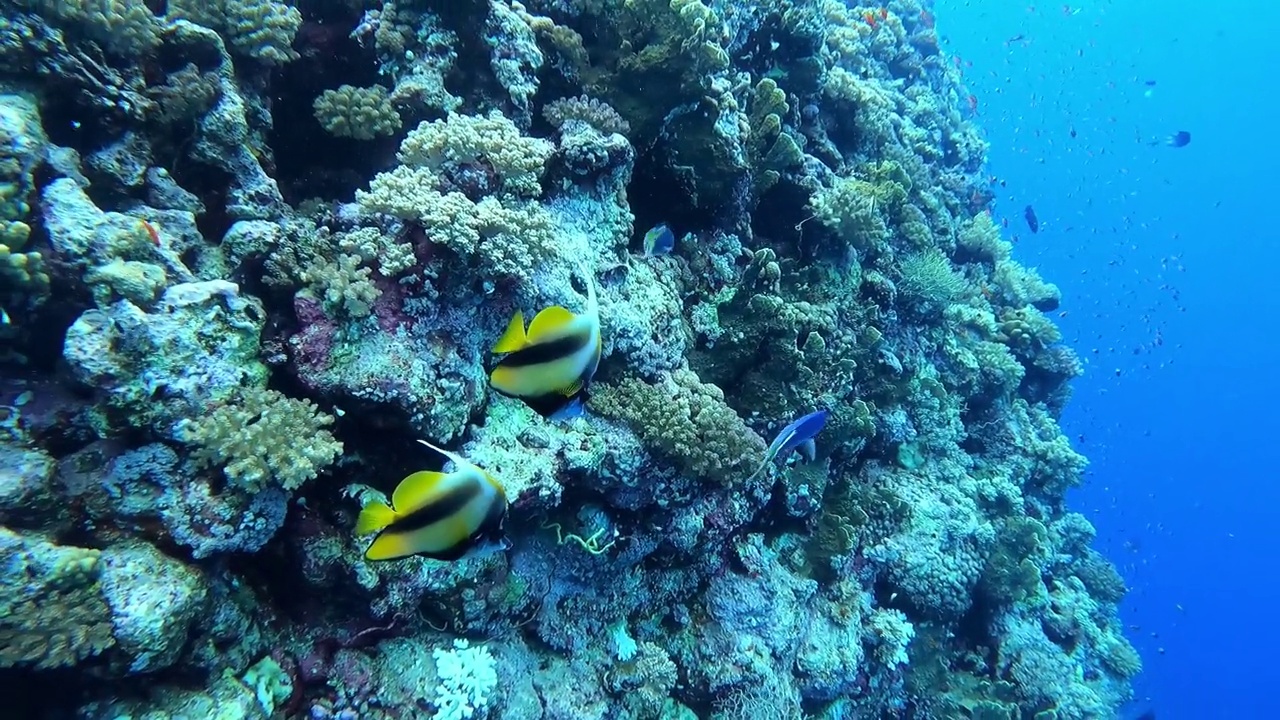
(373, 517)
(550, 324)
(417, 490)
(513, 338)
(572, 389)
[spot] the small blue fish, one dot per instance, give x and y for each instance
(659, 241)
(576, 407)
(796, 436)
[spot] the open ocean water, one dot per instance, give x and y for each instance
(1176, 246)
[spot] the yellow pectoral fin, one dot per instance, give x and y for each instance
(417, 490)
(551, 323)
(374, 517)
(513, 338)
(573, 389)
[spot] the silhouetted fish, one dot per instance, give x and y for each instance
(1032, 221)
(1182, 138)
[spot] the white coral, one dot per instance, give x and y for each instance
(468, 676)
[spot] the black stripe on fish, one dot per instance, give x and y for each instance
(447, 506)
(547, 352)
(490, 529)
(457, 551)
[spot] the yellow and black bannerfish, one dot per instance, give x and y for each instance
(445, 516)
(555, 358)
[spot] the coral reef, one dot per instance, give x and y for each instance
(250, 250)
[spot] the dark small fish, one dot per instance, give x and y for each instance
(1182, 138)
(1148, 715)
(1149, 83)
(659, 241)
(1032, 221)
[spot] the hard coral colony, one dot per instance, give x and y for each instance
(250, 250)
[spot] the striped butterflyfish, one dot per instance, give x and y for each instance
(445, 516)
(554, 359)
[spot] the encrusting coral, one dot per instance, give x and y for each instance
(52, 613)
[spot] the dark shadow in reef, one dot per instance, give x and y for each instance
(658, 194)
(309, 161)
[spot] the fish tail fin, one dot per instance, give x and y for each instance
(759, 470)
(374, 517)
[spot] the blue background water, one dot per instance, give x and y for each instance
(1146, 242)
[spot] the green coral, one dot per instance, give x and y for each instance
(23, 279)
(1012, 573)
(1026, 330)
(264, 439)
(980, 236)
(1021, 285)
(359, 113)
(928, 278)
(259, 29)
(686, 420)
(52, 612)
(852, 209)
(770, 149)
(342, 285)
(504, 233)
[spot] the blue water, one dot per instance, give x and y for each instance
(1157, 245)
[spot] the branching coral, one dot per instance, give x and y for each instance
(264, 439)
(463, 179)
(260, 29)
(459, 143)
(360, 113)
(771, 150)
(850, 208)
(342, 284)
(688, 421)
(596, 113)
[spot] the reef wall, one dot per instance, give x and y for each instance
(251, 249)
